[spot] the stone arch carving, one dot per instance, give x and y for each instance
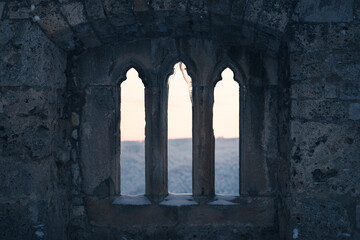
(125, 67)
(239, 74)
(167, 68)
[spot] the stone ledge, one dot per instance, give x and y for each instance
(259, 211)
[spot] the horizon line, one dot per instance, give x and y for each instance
(142, 140)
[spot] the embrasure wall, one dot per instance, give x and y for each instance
(297, 63)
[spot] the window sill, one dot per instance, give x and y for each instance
(137, 200)
(175, 200)
(118, 212)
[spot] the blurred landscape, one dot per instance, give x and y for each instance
(180, 164)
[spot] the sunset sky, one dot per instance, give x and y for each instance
(226, 107)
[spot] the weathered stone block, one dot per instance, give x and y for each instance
(344, 58)
(198, 8)
(6, 34)
(2, 5)
(324, 11)
(90, 40)
(309, 67)
(94, 9)
(324, 157)
(357, 11)
(319, 110)
(74, 12)
(119, 13)
(159, 5)
(331, 91)
(346, 71)
(63, 156)
(358, 216)
(354, 111)
(16, 179)
(27, 131)
(75, 172)
(15, 221)
(237, 10)
(55, 26)
(31, 59)
(221, 7)
(267, 43)
(319, 219)
(97, 140)
(95, 72)
(86, 35)
(26, 141)
(332, 79)
(18, 10)
(141, 6)
(74, 134)
(305, 90)
(350, 91)
(75, 119)
(74, 155)
(308, 37)
(78, 211)
(104, 30)
(37, 141)
(275, 17)
(344, 36)
(51, 20)
(252, 10)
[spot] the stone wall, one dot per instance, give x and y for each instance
(34, 150)
(308, 48)
(324, 64)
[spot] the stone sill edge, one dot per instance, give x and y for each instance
(181, 200)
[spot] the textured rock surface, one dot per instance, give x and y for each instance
(302, 61)
(324, 164)
(32, 84)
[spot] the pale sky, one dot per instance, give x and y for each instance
(132, 108)
(179, 107)
(226, 107)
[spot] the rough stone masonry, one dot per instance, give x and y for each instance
(298, 65)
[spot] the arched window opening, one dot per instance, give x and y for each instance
(132, 129)
(180, 131)
(226, 131)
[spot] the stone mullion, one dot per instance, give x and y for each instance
(203, 141)
(241, 135)
(253, 169)
(155, 142)
(116, 166)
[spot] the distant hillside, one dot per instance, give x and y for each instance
(180, 163)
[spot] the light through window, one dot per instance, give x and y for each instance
(179, 131)
(132, 128)
(226, 131)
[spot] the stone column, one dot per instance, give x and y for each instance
(203, 141)
(156, 141)
(253, 177)
(116, 164)
(241, 135)
(99, 161)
